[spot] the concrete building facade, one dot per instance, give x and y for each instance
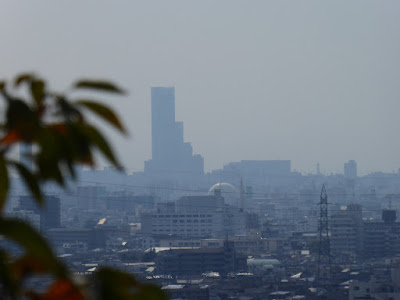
(196, 216)
(347, 231)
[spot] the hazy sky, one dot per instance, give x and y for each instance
(309, 81)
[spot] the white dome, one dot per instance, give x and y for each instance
(227, 190)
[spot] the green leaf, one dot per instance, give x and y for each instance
(19, 116)
(49, 169)
(78, 144)
(8, 282)
(150, 292)
(67, 109)
(33, 243)
(28, 264)
(114, 284)
(29, 180)
(97, 139)
(104, 112)
(100, 85)
(38, 91)
(52, 143)
(4, 182)
(23, 78)
(18, 111)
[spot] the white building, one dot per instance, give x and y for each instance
(182, 224)
(197, 216)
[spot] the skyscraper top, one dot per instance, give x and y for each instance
(169, 152)
(350, 169)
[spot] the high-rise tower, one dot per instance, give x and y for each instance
(164, 130)
(350, 169)
(169, 152)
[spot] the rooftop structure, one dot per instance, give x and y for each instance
(227, 191)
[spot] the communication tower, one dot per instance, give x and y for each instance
(324, 253)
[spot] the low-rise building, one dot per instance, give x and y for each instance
(196, 261)
(94, 238)
(264, 266)
(181, 291)
(375, 288)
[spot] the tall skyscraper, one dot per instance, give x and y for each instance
(350, 170)
(169, 152)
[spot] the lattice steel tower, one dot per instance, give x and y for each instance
(324, 252)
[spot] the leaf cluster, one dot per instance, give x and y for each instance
(56, 127)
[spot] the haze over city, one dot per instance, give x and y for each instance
(305, 81)
(261, 160)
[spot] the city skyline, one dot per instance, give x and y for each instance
(256, 154)
(310, 82)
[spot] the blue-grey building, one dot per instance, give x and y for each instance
(170, 154)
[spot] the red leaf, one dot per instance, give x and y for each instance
(63, 289)
(11, 137)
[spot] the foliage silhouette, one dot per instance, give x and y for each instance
(61, 138)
